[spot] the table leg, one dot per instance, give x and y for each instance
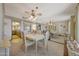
(36, 47)
(6, 51)
(25, 50)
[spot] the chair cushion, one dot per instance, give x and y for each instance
(29, 42)
(70, 44)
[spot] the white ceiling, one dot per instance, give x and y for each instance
(54, 11)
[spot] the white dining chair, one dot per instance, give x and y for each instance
(72, 52)
(71, 49)
(46, 40)
(28, 43)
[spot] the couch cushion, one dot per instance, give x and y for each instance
(70, 44)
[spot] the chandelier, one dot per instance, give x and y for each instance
(50, 23)
(33, 14)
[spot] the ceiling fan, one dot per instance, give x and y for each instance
(33, 14)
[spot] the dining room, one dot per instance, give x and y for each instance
(38, 29)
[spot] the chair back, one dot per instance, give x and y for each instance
(47, 35)
(46, 38)
(71, 49)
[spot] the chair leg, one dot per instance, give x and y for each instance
(46, 48)
(25, 49)
(36, 48)
(6, 51)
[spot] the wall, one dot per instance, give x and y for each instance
(77, 28)
(22, 26)
(61, 27)
(2, 50)
(1, 21)
(72, 27)
(76, 36)
(43, 27)
(7, 28)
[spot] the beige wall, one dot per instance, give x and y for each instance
(61, 27)
(72, 27)
(1, 21)
(7, 28)
(77, 23)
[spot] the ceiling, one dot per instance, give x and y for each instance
(54, 11)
